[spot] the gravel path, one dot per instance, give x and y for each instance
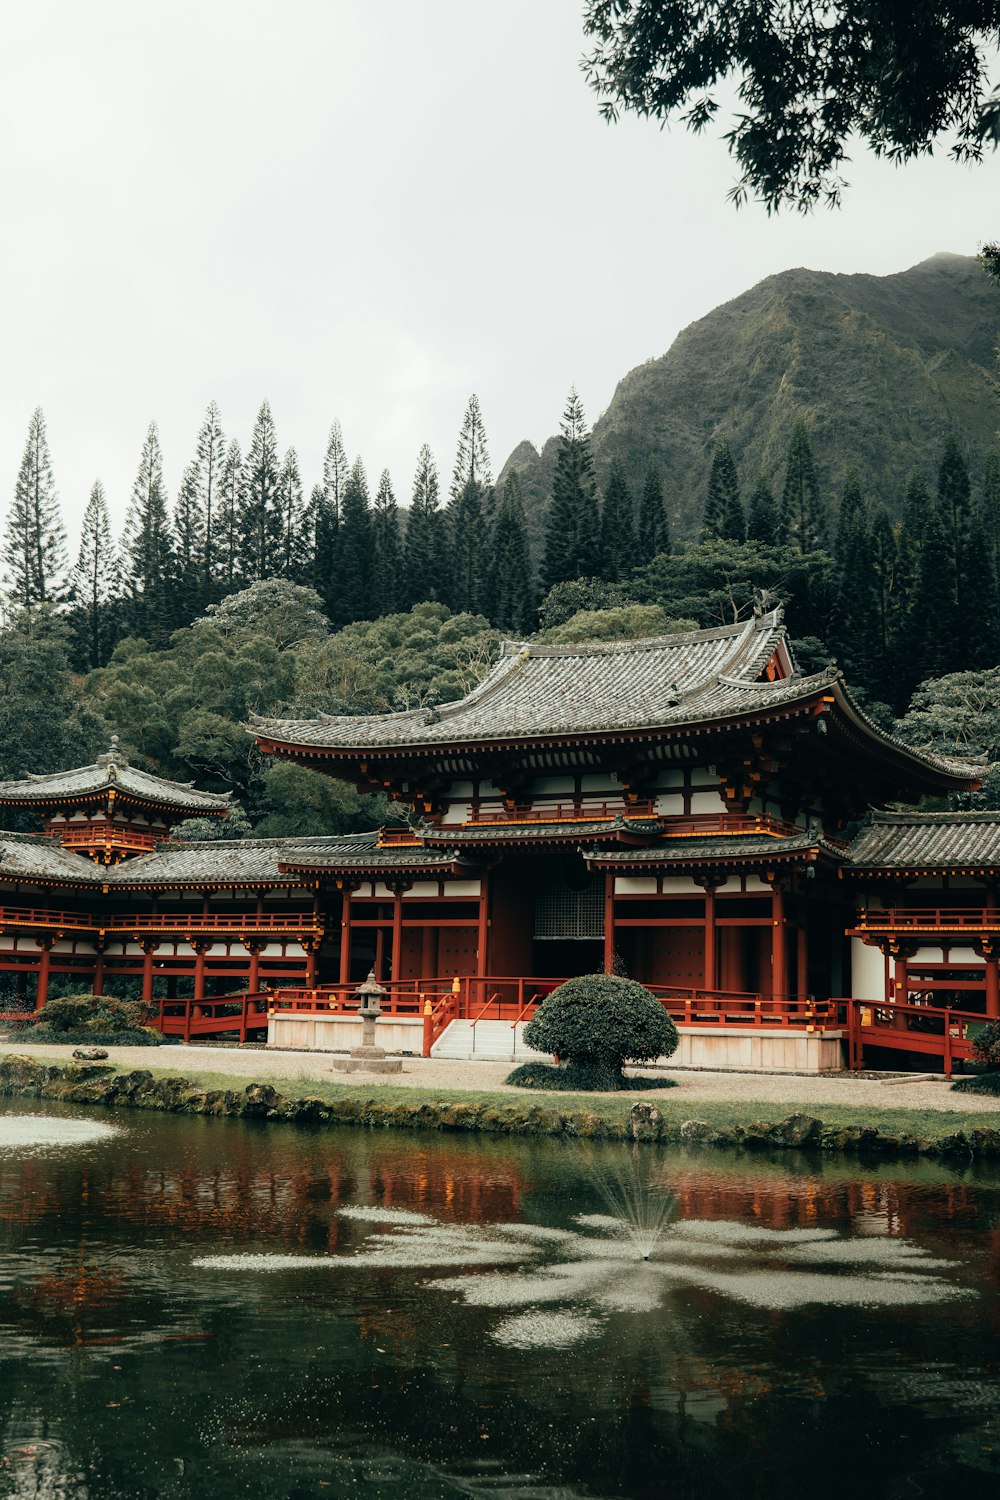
(270, 1066)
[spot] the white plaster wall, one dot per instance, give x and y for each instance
(681, 884)
(707, 802)
(458, 889)
(420, 890)
(867, 971)
(635, 885)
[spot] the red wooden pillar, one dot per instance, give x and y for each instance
(379, 948)
(97, 984)
(42, 992)
(148, 950)
(609, 921)
(484, 923)
(311, 965)
(900, 989)
(993, 987)
(779, 970)
(253, 980)
(199, 971)
(710, 969)
(396, 971)
(345, 936)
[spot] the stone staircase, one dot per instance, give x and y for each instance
(489, 1041)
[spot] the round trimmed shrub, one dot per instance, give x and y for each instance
(599, 1022)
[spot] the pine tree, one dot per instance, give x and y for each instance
(325, 505)
(468, 513)
(147, 548)
(259, 516)
(35, 541)
(978, 605)
(763, 521)
(512, 590)
(95, 579)
(934, 627)
(227, 524)
(388, 584)
(191, 594)
(292, 553)
(210, 460)
(802, 512)
(885, 571)
(653, 528)
(917, 506)
(989, 505)
(855, 633)
(955, 506)
(618, 552)
(572, 540)
(426, 543)
(353, 600)
(723, 506)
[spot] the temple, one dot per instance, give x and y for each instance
(690, 810)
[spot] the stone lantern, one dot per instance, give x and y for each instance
(369, 1058)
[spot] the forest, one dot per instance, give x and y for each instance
(246, 595)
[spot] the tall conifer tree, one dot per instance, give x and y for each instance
(426, 549)
(934, 626)
(210, 459)
(388, 583)
(512, 590)
(292, 558)
(35, 538)
(468, 510)
(763, 523)
(227, 525)
(954, 495)
(325, 504)
(618, 552)
(191, 593)
(95, 580)
(723, 507)
(855, 632)
(802, 511)
(260, 519)
(653, 527)
(572, 539)
(989, 505)
(354, 597)
(885, 571)
(147, 548)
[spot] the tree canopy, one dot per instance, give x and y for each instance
(809, 75)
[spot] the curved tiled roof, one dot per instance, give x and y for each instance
(112, 772)
(29, 857)
(932, 841)
(705, 849)
(539, 691)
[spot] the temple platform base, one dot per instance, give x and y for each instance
(751, 1048)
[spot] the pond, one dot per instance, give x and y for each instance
(203, 1307)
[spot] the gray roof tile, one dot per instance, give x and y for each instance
(112, 771)
(908, 841)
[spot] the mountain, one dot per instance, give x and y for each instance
(881, 368)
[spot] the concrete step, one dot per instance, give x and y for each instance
(490, 1041)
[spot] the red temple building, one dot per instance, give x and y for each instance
(678, 809)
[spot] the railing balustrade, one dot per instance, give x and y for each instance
(927, 919)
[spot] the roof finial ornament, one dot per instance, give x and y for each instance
(763, 602)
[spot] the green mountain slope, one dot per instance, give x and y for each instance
(880, 367)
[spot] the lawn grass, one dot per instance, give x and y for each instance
(615, 1108)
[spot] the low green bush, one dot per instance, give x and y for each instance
(92, 1018)
(601, 1022)
(986, 1044)
(980, 1083)
(579, 1079)
(145, 1038)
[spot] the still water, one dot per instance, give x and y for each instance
(222, 1308)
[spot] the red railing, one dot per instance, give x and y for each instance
(583, 811)
(902, 1027)
(286, 923)
(214, 1016)
(37, 916)
(928, 919)
(761, 824)
(105, 837)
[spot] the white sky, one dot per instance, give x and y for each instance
(365, 209)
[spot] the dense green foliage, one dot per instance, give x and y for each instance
(809, 78)
(93, 1018)
(986, 1045)
(599, 1022)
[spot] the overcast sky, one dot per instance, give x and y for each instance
(365, 209)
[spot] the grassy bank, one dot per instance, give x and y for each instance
(661, 1116)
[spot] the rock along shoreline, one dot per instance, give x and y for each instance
(97, 1084)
